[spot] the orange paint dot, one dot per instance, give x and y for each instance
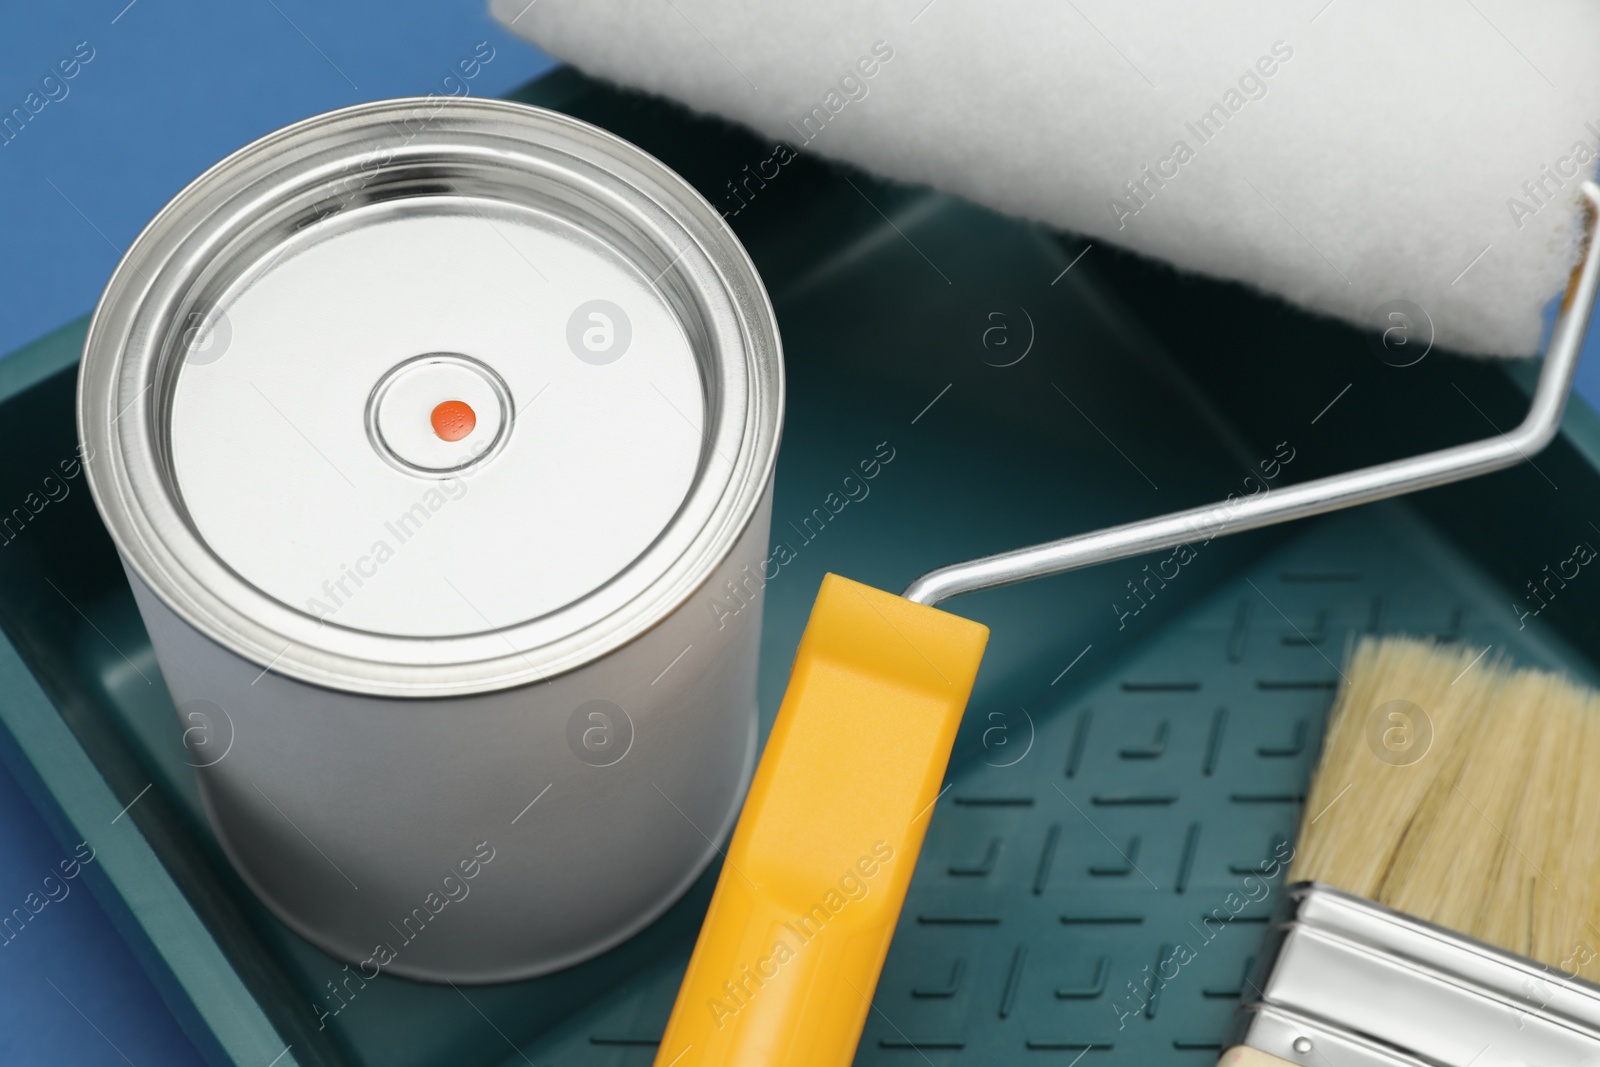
(453, 420)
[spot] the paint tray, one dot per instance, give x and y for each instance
(1141, 736)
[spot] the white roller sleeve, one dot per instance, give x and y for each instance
(1340, 155)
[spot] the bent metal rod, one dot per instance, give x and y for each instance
(1537, 429)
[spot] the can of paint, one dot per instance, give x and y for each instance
(432, 435)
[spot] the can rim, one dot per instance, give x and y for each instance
(127, 372)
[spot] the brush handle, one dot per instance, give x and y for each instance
(815, 876)
(1242, 1056)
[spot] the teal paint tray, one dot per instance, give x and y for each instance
(1137, 750)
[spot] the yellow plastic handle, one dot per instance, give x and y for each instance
(817, 870)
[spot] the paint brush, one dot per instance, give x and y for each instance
(1443, 909)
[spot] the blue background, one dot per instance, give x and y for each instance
(174, 86)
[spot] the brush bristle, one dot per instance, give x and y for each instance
(1490, 827)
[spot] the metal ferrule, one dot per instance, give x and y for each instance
(1346, 982)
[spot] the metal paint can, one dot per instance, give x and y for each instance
(467, 693)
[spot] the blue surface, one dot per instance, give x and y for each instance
(172, 86)
(175, 85)
(1587, 382)
(70, 989)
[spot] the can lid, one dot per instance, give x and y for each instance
(427, 397)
